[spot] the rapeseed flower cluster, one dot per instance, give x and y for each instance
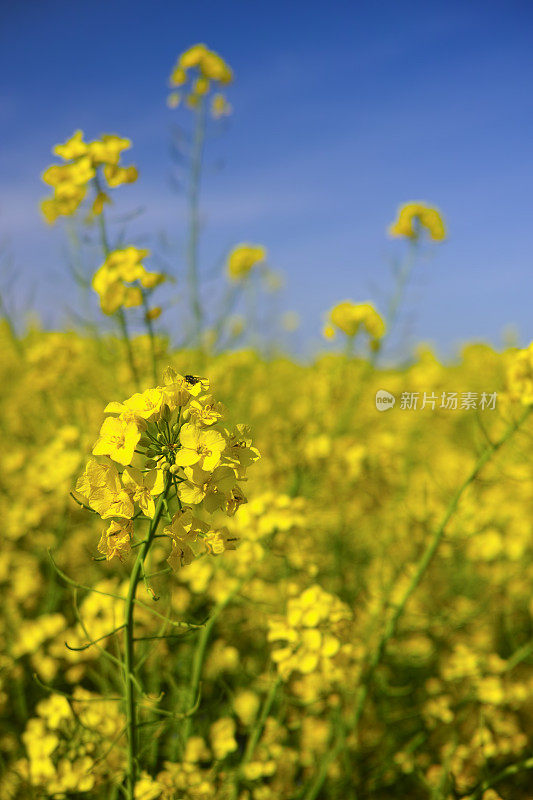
(121, 279)
(414, 219)
(96, 164)
(167, 439)
(351, 318)
(520, 375)
(64, 744)
(306, 633)
(198, 70)
(243, 258)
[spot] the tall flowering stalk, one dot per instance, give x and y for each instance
(413, 222)
(197, 72)
(87, 174)
(162, 455)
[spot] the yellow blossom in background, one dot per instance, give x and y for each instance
(246, 704)
(520, 375)
(122, 277)
(242, 258)
(222, 736)
(350, 318)
(153, 313)
(413, 218)
(173, 100)
(220, 106)
(201, 68)
(307, 633)
(86, 163)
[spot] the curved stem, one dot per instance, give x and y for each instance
(129, 646)
(513, 769)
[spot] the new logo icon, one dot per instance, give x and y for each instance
(384, 400)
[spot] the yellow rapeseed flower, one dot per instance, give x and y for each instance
(414, 217)
(242, 258)
(118, 439)
(350, 318)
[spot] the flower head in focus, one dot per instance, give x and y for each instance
(167, 446)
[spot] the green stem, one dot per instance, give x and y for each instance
(129, 646)
(402, 279)
(260, 723)
(199, 656)
(509, 771)
(150, 329)
(121, 316)
(255, 734)
(194, 222)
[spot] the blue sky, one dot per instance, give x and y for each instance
(341, 112)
